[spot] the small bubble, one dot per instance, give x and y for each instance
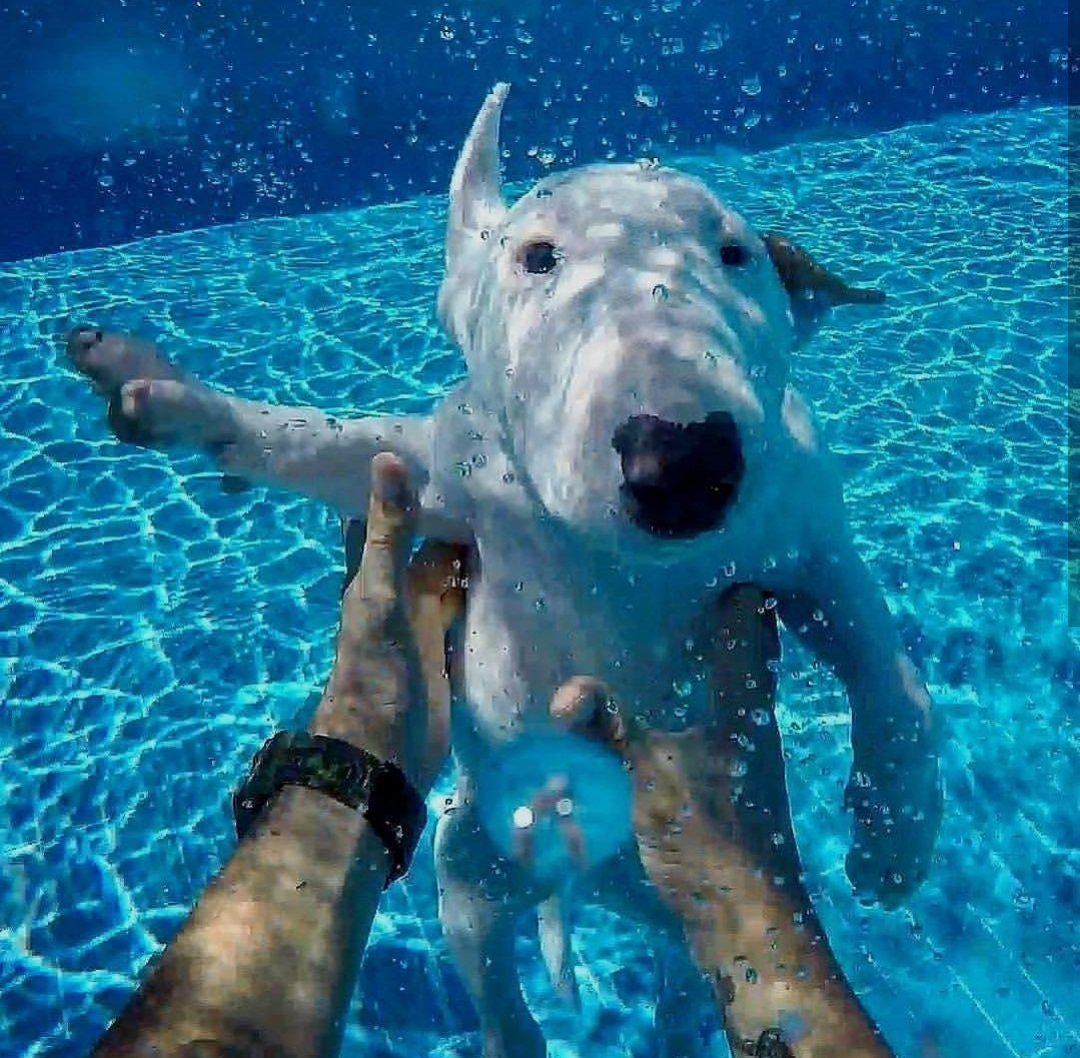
(760, 717)
(819, 616)
(543, 192)
(645, 95)
(729, 570)
(737, 768)
(463, 468)
(105, 180)
(683, 689)
(519, 586)
(752, 86)
(660, 292)
(712, 39)
(778, 839)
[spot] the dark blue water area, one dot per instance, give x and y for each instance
(118, 120)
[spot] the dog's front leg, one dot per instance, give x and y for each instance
(154, 403)
(895, 788)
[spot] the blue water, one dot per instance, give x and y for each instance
(153, 630)
(120, 120)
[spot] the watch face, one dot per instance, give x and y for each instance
(555, 802)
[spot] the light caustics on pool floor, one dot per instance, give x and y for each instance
(154, 630)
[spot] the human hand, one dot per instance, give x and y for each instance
(388, 691)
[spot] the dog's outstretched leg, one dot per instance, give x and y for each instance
(481, 897)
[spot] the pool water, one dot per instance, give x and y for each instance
(154, 630)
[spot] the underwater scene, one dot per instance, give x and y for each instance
(160, 621)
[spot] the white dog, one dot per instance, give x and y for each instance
(627, 442)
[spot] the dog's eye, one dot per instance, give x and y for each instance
(537, 258)
(734, 254)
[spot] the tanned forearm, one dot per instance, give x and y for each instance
(266, 964)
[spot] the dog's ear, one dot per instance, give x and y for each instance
(476, 208)
(812, 288)
(476, 199)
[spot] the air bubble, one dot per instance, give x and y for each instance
(645, 95)
(760, 717)
(712, 39)
(660, 292)
(752, 86)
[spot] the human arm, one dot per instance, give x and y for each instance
(265, 965)
(714, 832)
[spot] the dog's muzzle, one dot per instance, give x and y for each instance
(679, 479)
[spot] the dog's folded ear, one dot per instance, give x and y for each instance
(804, 278)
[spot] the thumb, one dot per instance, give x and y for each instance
(391, 522)
(585, 706)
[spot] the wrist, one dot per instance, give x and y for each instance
(341, 771)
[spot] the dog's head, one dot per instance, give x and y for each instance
(631, 332)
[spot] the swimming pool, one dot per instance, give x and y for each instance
(154, 630)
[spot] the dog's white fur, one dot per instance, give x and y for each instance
(638, 316)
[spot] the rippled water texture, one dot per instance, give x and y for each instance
(154, 630)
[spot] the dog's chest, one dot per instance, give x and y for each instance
(530, 630)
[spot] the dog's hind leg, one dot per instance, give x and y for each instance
(482, 896)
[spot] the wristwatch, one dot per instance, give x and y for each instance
(379, 789)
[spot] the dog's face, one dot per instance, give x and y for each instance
(631, 331)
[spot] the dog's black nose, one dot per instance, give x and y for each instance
(679, 479)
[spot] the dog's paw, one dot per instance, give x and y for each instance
(896, 824)
(164, 413)
(109, 359)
